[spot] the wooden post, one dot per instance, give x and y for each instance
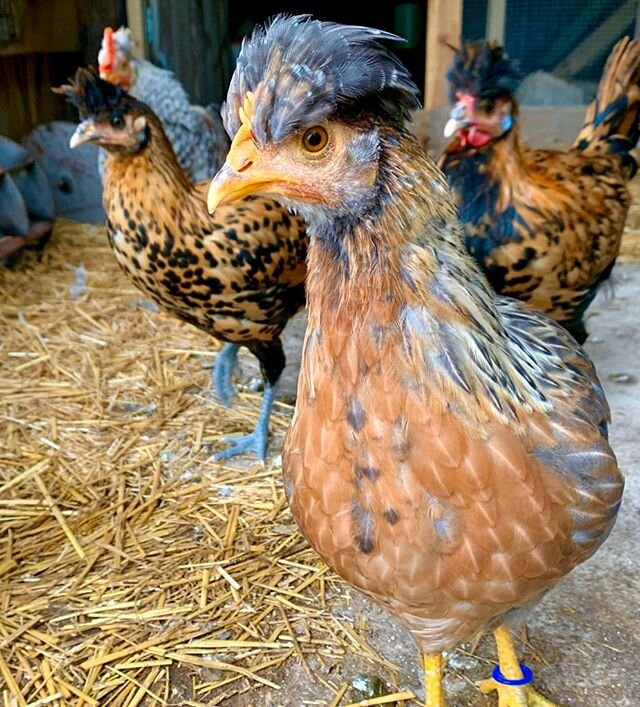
(496, 16)
(444, 24)
(136, 23)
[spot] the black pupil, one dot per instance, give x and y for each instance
(116, 121)
(314, 138)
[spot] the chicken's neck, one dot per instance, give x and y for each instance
(408, 249)
(403, 279)
(501, 164)
(152, 176)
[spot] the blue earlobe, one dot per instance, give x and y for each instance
(507, 122)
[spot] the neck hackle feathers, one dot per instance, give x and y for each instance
(301, 71)
(483, 70)
(90, 94)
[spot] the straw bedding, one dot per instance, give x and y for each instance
(130, 565)
(133, 571)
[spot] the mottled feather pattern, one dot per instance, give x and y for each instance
(238, 275)
(545, 225)
(470, 416)
(615, 111)
(448, 453)
(297, 85)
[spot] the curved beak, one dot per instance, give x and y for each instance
(244, 173)
(458, 119)
(85, 132)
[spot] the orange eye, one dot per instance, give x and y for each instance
(315, 139)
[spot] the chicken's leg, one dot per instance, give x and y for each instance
(271, 357)
(222, 370)
(511, 671)
(433, 681)
(255, 441)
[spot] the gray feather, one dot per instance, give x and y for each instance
(302, 70)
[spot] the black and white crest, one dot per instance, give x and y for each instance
(302, 70)
(483, 70)
(90, 94)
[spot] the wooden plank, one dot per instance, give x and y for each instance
(444, 24)
(43, 26)
(192, 39)
(496, 16)
(26, 99)
(136, 22)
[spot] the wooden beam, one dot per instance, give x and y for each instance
(496, 16)
(136, 22)
(444, 24)
(603, 35)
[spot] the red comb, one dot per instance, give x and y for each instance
(108, 52)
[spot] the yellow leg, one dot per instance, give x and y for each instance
(433, 681)
(512, 695)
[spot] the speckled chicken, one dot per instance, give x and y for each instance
(238, 276)
(196, 134)
(448, 453)
(545, 226)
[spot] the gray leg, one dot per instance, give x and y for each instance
(256, 441)
(222, 369)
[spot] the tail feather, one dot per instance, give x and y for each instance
(612, 120)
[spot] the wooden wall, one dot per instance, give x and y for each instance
(190, 36)
(49, 40)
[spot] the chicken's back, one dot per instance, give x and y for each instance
(544, 225)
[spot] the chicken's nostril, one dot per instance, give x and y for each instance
(245, 166)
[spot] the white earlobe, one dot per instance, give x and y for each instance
(140, 123)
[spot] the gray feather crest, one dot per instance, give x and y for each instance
(302, 70)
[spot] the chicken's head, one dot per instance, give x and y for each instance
(307, 106)
(115, 58)
(110, 117)
(482, 83)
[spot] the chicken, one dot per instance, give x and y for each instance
(448, 452)
(196, 133)
(238, 276)
(545, 226)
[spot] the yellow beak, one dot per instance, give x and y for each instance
(242, 174)
(85, 132)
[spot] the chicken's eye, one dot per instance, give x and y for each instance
(117, 121)
(315, 139)
(488, 106)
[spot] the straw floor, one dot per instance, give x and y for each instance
(133, 571)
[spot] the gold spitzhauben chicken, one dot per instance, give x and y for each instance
(238, 276)
(544, 225)
(448, 454)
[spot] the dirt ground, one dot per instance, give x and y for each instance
(584, 639)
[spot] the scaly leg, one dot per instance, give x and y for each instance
(256, 441)
(433, 681)
(510, 670)
(222, 369)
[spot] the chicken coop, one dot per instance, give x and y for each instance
(297, 409)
